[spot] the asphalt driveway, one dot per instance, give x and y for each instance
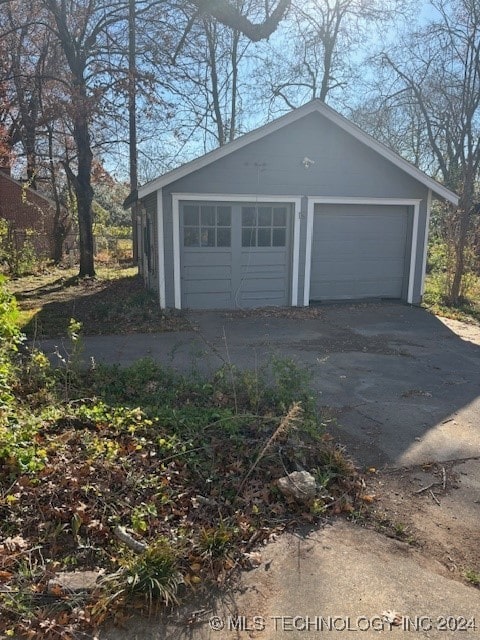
(401, 387)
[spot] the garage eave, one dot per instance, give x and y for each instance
(294, 115)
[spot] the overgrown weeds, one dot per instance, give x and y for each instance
(473, 577)
(187, 467)
(153, 575)
(18, 256)
(438, 285)
(435, 300)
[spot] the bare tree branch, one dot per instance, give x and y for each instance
(231, 16)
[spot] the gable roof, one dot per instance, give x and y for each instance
(315, 106)
(22, 186)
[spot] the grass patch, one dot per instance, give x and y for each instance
(473, 577)
(434, 299)
(114, 302)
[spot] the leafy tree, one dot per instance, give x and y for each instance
(109, 194)
(30, 107)
(28, 55)
(5, 147)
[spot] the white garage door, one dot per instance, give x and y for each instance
(358, 251)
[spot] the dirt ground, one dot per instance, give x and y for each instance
(116, 302)
(466, 331)
(435, 509)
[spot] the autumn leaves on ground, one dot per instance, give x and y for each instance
(187, 467)
(114, 302)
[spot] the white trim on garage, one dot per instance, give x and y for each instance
(308, 251)
(313, 200)
(413, 252)
(161, 251)
(215, 197)
(176, 253)
(425, 242)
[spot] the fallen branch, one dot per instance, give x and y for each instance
(429, 486)
(434, 497)
(126, 538)
(435, 484)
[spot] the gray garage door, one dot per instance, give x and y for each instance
(235, 255)
(358, 251)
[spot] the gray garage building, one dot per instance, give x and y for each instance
(306, 208)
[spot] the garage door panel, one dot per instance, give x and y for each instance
(390, 225)
(267, 258)
(199, 300)
(197, 272)
(358, 252)
(359, 246)
(260, 273)
(249, 273)
(265, 285)
(267, 269)
(348, 290)
(358, 249)
(264, 277)
(334, 271)
(202, 258)
(223, 285)
(341, 245)
(251, 300)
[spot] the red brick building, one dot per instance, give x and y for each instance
(28, 213)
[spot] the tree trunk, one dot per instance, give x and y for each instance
(58, 240)
(233, 106)
(465, 208)
(211, 33)
(59, 228)
(84, 193)
(77, 47)
(456, 287)
(132, 122)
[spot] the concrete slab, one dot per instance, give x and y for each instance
(339, 582)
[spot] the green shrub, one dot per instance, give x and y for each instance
(154, 574)
(10, 338)
(18, 256)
